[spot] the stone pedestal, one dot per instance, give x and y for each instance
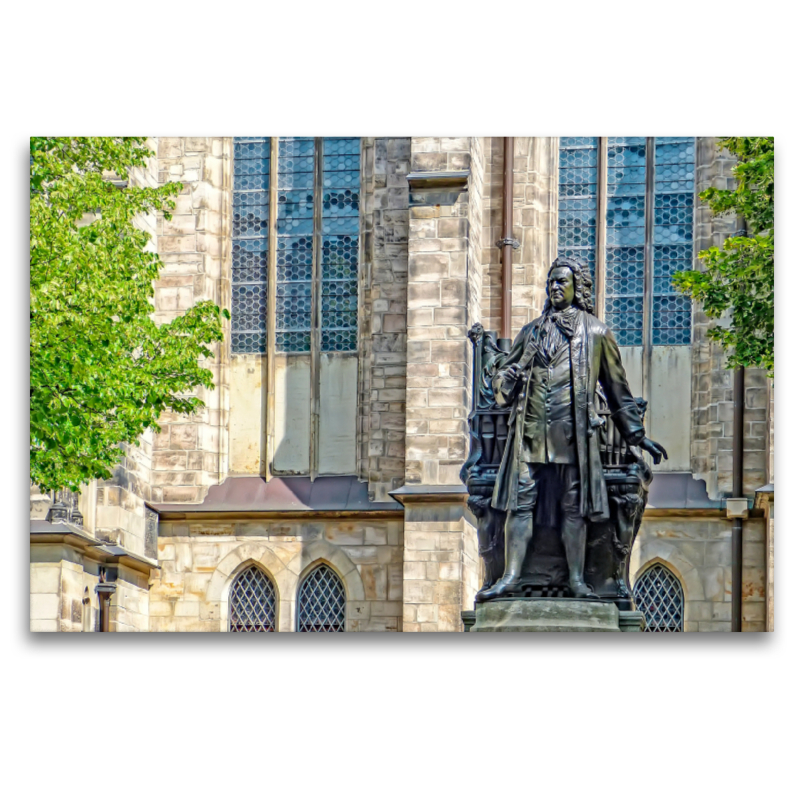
(553, 614)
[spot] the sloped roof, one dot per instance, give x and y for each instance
(249, 494)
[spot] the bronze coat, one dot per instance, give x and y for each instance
(594, 356)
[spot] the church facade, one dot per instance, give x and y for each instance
(319, 488)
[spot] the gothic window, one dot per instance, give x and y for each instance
(295, 244)
(577, 198)
(625, 234)
(321, 602)
(672, 241)
(252, 602)
(643, 189)
(659, 595)
(251, 170)
(316, 227)
(296, 224)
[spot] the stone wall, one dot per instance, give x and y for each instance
(51, 610)
(382, 341)
(698, 552)
(535, 224)
(438, 357)
(440, 554)
(191, 453)
(117, 512)
(475, 220)
(535, 227)
(440, 567)
(63, 597)
(712, 383)
(200, 560)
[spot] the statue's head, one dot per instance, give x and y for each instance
(570, 282)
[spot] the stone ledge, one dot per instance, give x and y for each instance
(542, 615)
(431, 493)
(455, 179)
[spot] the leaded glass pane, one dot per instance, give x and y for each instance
(251, 170)
(625, 231)
(295, 245)
(577, 198)
(252, 602)
(659, 596)
(321, 602)
(672, 236)
(340, 229)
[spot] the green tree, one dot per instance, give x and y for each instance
(101, 370)
(739, 279)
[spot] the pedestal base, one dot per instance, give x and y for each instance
(553, 614)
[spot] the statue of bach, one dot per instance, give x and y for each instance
(551, 463)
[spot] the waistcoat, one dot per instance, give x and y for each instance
(549, 426)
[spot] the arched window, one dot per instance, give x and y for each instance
(320, 602)
(252, 602)
(659, 595)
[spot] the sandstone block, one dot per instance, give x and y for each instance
(447, 351)
(45, 579)
(419, 351)
(454, 292)
(45, 606)
(182, 494)
(424, 294)
(415, 591)
(450, 144)
(452, 227)
(196, 144)
(428, 266)
(44, 626)
(187, 608)
(428, 162)
(392, 323)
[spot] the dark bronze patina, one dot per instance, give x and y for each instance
(556, 475)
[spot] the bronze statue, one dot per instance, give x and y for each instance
(571, 473)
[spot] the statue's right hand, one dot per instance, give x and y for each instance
(511, 375)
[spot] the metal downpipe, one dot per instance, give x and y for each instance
(507, 242)
(737, 547)
(738, 491)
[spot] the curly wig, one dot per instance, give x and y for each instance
(582, 279)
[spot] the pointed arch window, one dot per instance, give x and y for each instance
(252, 602)
(659, 595)
(321, 602)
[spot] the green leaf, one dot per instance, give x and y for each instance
(101, 370)
(737, 284)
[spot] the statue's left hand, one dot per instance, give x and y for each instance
(655, 450)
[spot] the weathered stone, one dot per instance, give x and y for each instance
(543, 615)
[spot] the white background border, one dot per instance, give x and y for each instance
(396, 716)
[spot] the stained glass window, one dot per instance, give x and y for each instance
(251, 157)
(338, 230)
(252, 602)
(659, 596)
(295, 245)
(304, 186)
(321, 602)
(577, 199)
(624, 279)
(674, 201)
(623, 259)
(340, 215)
